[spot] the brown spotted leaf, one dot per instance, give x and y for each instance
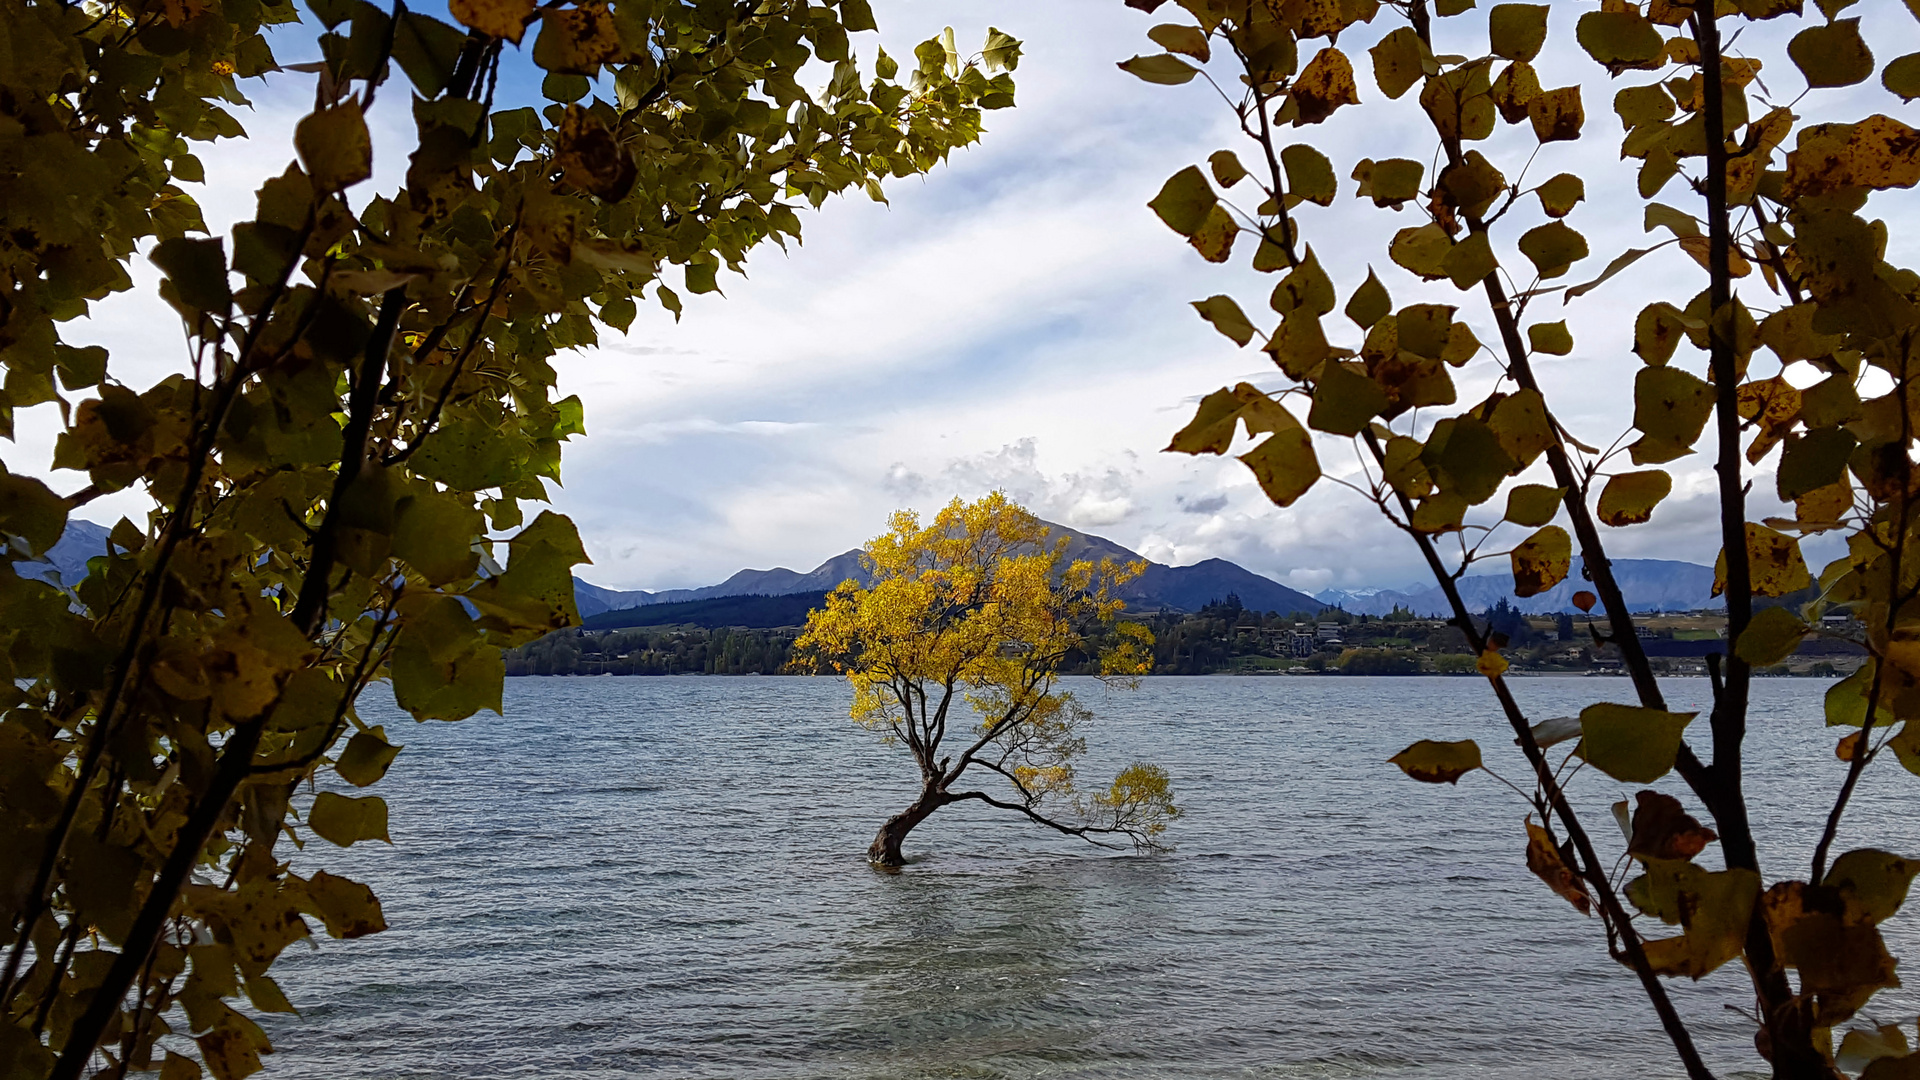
(1549, 865)
(1662, 829)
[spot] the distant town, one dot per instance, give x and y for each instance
(1226, 638)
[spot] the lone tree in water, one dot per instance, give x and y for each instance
(975, 614)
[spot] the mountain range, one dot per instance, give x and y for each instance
(1649, 584)
(1176, 588)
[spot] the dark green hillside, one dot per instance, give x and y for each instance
(756, 612)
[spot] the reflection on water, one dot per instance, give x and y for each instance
(663, 877)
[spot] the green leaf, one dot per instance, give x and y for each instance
(334, 147)
(565, 87)
(346, 820)
(1715, 908)
(1629, 497)
(197, 270)
(1813, 461)
(1657, 332)
(1677, 222)
(1517, 30)
(366, 757)
(1425, 329)
(348, 909)
(857, 17)
(1637, 105)
(31, 511)
(1398, 61)
(1226, 317)
(1432, 762)
(1284, 464)
(1901, 76)
(443, 669)
(1519, 421)
(1553, 248)
(1470, 261)
(1002, 50)
(1466, 459)
(535, 594)
(1227, 170)
(1369, 303)
(468, 455)
(1631, 256)
(1218, 419)
(434, 534)
(1632, 744)
(1184, 201)
(1670, 407)
(1621, 40)
(1558, 195)
(1309, 174)
(1874, 883)
(1175, 38)
(1541, 561)
(1553, 339)
(1306, 288)
(1832, 55)
(1344, 400)
(1395, 181)
(1422, 249)
(1473, 184)
(427, 50)
(1846, 701)
(1771, 637)
(1534, 505)
(1165, 69)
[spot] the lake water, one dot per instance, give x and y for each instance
(664, 877)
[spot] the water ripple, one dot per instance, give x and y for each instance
(663, 878)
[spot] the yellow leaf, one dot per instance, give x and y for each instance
(1434, 762)
(1284, 464)
(1398, 61)
(1556, 114)
(1771, 637)
(1541, 561)
(1629, 498)
(1558, 195)
(1517, 30)
(1775, 562)
(1323, 86)
(1491, 664)
(1213, 426)
(1832, 55)
(1214, 238)
(1519, 421)
(1533, 505)
(1550, 865)
(345, 820)
(494, 18)
(1630, 743)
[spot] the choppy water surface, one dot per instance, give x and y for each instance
(664, 878)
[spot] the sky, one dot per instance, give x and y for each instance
(1018, 320)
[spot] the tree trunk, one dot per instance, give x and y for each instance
(885, 850)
